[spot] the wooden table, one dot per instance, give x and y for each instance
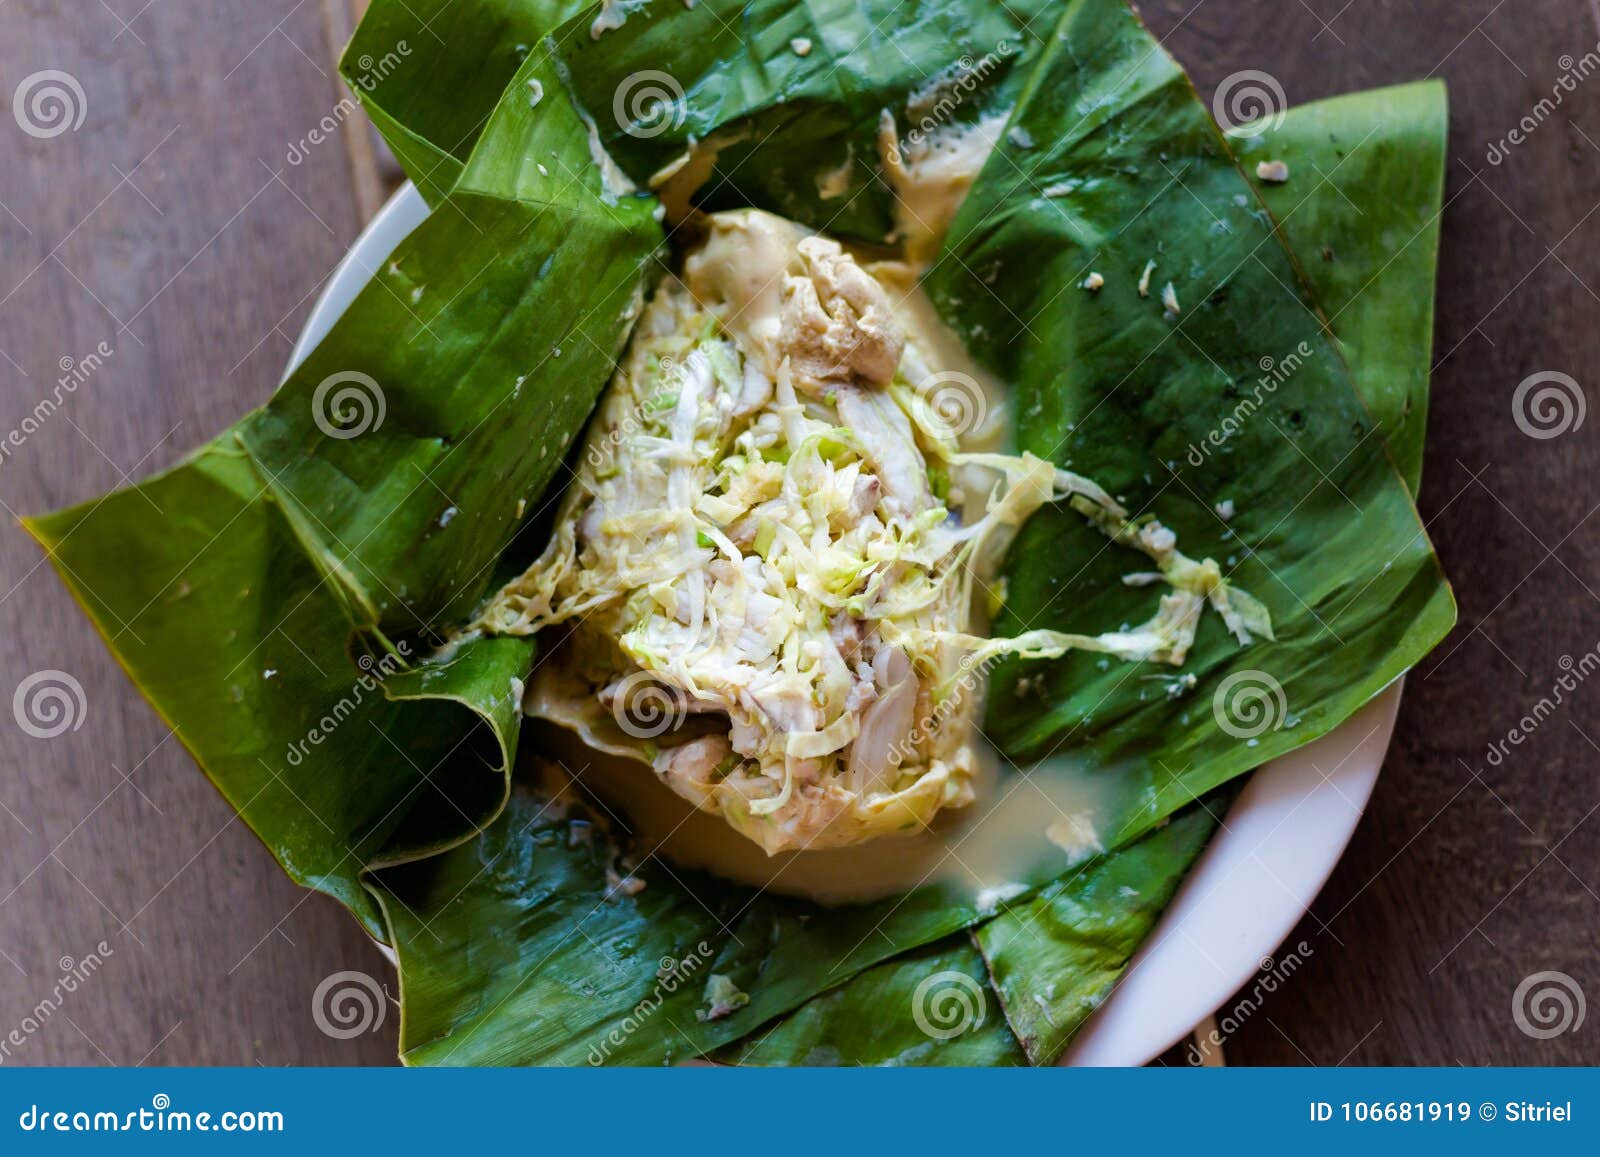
(173, 227)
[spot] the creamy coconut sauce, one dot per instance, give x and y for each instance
(990, 851)
(931, 173)
(676, 182)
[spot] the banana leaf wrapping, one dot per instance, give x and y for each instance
(279, 596)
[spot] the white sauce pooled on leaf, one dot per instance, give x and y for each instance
(931, 173)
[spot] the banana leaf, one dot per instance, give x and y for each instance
(1361, 213)
(1056, 956)
(278, 595)
(775, 120)
(490, 332)
(930, 1006)
(519, 948)
(198, 585)
(666, 79)
(520, 928)
(1295, 493)
(429, 73)
(1083, 929)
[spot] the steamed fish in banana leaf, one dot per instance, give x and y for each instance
(863, 620)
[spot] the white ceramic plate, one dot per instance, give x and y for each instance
(1278, 844)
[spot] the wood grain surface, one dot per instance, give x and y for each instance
(173, 227)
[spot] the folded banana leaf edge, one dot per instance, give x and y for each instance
(281, 595)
